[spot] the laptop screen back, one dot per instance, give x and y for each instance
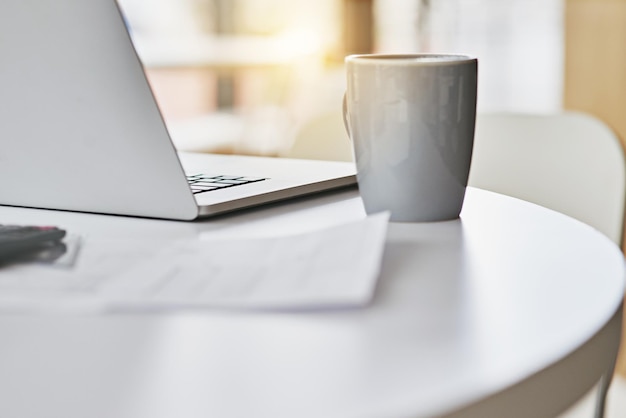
(79, 125)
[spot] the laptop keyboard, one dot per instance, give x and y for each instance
(201, 183)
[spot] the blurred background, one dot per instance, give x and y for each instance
(266, 77)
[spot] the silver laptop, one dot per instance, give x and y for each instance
(80, 129)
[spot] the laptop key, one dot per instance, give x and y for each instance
(211, 184)
(202, 187)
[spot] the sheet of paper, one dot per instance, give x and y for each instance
(334, 267)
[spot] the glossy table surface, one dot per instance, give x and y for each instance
(511, 310)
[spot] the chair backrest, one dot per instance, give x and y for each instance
(323, 137)
(569, 162)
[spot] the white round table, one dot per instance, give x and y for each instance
(512, 310)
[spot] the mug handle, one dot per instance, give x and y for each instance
(345, 116)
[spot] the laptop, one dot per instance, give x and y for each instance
(80, 129)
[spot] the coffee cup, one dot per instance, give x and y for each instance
(411, 120)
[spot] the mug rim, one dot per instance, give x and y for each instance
(412, 59)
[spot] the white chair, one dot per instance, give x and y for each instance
(569, 162)
(323, 137)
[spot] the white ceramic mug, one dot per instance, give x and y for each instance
(411, 120)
